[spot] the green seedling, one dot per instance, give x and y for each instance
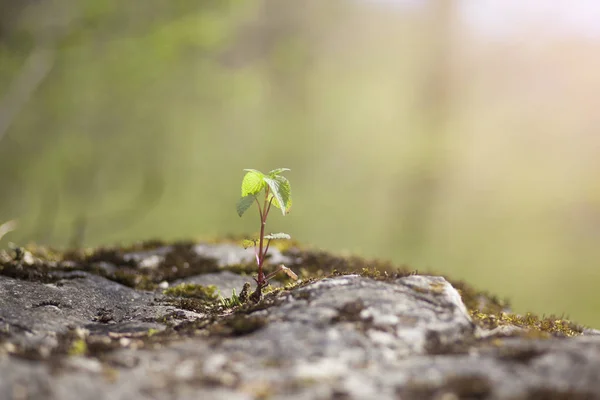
(272, 189)
(231, 302)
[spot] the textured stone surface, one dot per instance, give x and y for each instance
(346, 336)
(33, 313)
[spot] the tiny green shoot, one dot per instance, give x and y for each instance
(265, 190)
(233, 301)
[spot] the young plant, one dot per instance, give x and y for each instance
(272, 189)
(233, 301)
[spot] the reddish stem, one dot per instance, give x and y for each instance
(263, 222)
(256, 254)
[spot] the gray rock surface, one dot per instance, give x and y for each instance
(346, 337)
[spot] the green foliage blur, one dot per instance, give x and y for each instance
(408, 136)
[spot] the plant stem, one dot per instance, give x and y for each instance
(256, 254)
(261, 258)
(262, 251)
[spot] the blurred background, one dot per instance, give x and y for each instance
(453, 136)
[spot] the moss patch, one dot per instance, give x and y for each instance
(551, 325)
(208, 293)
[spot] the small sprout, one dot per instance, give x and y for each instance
(233, 301)
(276, 191)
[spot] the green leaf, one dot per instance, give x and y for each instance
(244, 203)
(280, 235)
(281, 191)
(253, 182)
(277, 171)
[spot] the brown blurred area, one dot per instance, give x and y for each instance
(460, 142)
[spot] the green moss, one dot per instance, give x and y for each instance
(545, 326)
(194, 297)
(272, 289)
(191, 290)
(78, 347)
(370, 272)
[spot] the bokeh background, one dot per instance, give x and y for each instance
(453, 136)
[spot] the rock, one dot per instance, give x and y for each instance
(75, 332)
(34, 313)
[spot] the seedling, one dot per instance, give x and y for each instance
(230, 302)
(276, 191)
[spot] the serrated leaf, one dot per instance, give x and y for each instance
(244, 203)
(277, 171)
(281, 191)
(253, 182)
(280, 235)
